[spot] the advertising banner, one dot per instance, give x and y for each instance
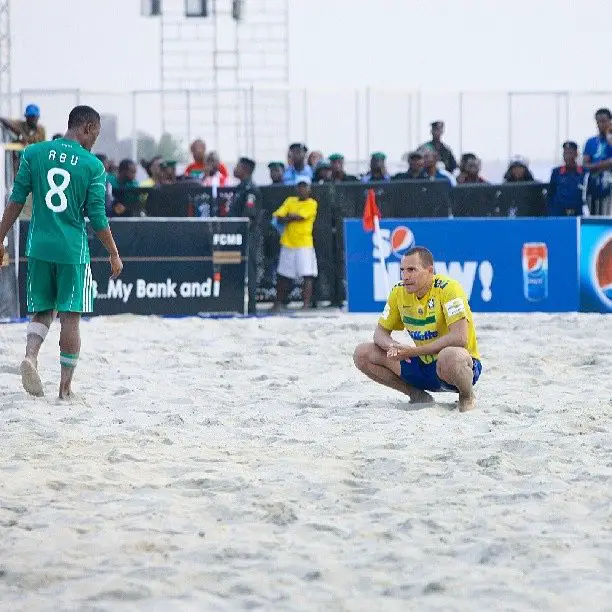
(504, 265)
(596, 264)
(171, 267)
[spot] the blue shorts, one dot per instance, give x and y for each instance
(423, 376)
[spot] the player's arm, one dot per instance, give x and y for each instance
(457, 336)
(96, 211)
(390, 320)
(21, 190)
(455, 311)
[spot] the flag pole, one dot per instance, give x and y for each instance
(381, 255)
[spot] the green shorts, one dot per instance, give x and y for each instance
(57, 286)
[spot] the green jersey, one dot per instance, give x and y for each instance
(67, 183)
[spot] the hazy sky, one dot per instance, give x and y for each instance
(405, 44)
(443, 46)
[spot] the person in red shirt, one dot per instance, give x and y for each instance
(197, 169)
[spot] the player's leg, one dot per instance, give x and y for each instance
(40, 298)
(70, 347)
(307, 291)
(455, 366)
(374, 363)
(75, 296)
(285, 276)
(306, 260)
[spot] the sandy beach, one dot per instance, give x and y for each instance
(246, 464)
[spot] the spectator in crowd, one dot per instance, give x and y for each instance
(597, 161)
(297, 255)
(470, 170)
(277, 170)
(156, 170)
(246, 202)
(416, 169)
(109, 189)
(378, 170)
(212, 171)
(433, 168)
(125, 197)
(298, 168)
(111, 166)
(518, 171)
(314, 159)
(445, 154)
(323, 172)
(170, 177)
(57, 136)
(566, 188)
(339, 175)
(197, 169)
(29, 131)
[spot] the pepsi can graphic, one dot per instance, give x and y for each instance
(535, 271)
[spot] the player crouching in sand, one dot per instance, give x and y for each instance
(434, 310)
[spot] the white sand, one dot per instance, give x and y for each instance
(229, 465)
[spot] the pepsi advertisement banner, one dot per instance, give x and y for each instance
(596, 264)
(504, 265)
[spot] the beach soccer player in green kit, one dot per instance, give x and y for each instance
(68, 183)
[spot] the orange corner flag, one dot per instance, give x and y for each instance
(370, 211)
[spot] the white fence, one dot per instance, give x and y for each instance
(261, 122)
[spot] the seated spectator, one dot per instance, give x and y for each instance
(416, 169)
(378, 170)
(470, 170)
(125, 199)
(197, 169)
(277, 169)
(445, 155)
(566, 189)
(29, 131)
(314, 159)
(323, 172)
(297, 255)
(298, 168)
(518, 171)
(212, 171)
(156, 169)
(597, 161)
(338, 173)
(433, 168)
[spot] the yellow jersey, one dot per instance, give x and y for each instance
(298, 234)
(428, 318)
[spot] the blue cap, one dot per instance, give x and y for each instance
(32, 111)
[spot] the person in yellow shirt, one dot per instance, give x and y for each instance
(297, 255)
(434, 310)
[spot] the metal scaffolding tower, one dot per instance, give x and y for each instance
(224, 75)
(5, 59)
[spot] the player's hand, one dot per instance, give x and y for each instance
(399, 352)
(116, 265)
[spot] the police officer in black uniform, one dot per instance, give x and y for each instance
(247, 203)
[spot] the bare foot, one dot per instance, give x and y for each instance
(30, 379)
(467, 403)
(65, 393)
(421, 397)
